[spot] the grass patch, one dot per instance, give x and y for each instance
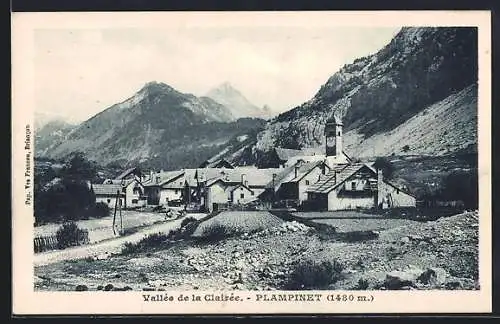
(357, 236)
(216, 232)
(314, 275)
(151, 241)
(187, 220)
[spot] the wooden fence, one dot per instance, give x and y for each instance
(50, 242)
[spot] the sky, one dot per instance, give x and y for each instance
(80, 72)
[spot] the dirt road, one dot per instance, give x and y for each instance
(110, 246)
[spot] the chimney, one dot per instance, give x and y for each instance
(296, 171)
(243, 179)
(151, 175)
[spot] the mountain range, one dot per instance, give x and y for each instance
(417, 95)
(157, 126)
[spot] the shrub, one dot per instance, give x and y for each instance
(385, 165)
(406, 148)
(101, 210)
(216, 232)
(313, 275)
(150, 241)
(187, 220)
(363, 284)
(69, 235)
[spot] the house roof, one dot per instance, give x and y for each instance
(126, 173)
(123, 182)
(217, 164)
(288, 174)
(164, 178)
(307, 154)
(400, 189)
(255, 177)
(107, 189)
(234, 187)
(337, 176)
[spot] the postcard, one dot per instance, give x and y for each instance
(251, 162)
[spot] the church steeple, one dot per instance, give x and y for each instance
(333, 140)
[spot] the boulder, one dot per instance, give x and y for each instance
(433, 276)
(405, 240)
(108, 287)
(400, 278)
(81, 288)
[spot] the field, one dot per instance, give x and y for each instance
(265, 260)
(355, 221)
(101, 229)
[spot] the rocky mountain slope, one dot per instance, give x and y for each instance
(417, 95)
(157, 125)
(50, 132)
(236, 102)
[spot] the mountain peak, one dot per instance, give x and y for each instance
(225, 87)
(155, 86)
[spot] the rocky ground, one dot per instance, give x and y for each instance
(441, 254)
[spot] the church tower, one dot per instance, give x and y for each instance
(333, 140)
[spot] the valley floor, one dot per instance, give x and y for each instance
(441, 254)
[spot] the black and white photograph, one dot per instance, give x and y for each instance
(273, 158)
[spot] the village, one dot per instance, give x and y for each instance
(316, 220)
(302, 179)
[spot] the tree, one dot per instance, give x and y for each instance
(78, 168)
(385, 165)
(462, 186)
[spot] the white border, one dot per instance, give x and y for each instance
(26, 301)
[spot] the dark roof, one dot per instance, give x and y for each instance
(126, 173)
(400, 189)
(217, 164)
(164, 178)
(107, 189)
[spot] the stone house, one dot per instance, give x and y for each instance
(354, 186)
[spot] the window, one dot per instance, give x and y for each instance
(134, 201)
(353, 185)
(307, 182)
(109, 200)
(338, 134)
(397, 191)
(176, 191)
(251, 193)
(242, 195)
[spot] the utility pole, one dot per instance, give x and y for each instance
(116, 206)
(121, 218)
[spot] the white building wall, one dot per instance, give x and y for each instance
(169, 194)
(248, 196)
(110, 201)
(399, 198)
(307, 181)
(342, 203)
